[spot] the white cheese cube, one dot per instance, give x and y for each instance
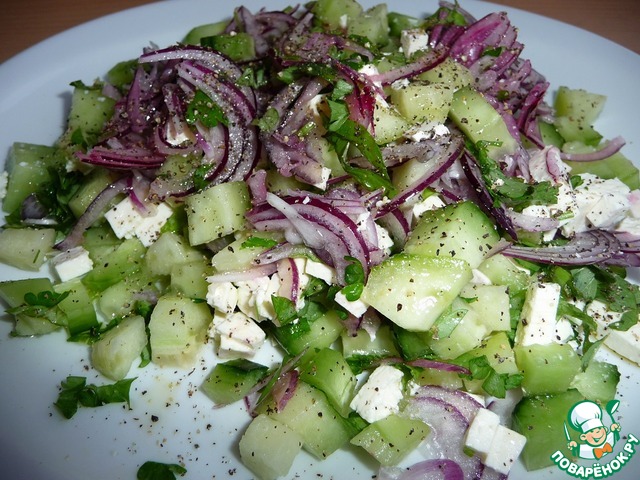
(380, 396)
(126, 221)
(538, 323)
(432, 202)
(148, 227)
(624, 343)
(385, 242)
(355, 307)
(72, 263)
(505, 449)
(4, 179)
(413, 40)
(321, 271)
(238, 336)
(481, 430)
(223, 296)
(262, 298)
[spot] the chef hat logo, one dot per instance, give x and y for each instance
(585, 416)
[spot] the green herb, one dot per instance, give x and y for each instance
(447, 322)
(199, 176)
(589, 352)
(40, 305)
(510, 191)
(620, 296)
(202, 108)
(253, 77)
(495, 384)
(354, 279)
(493, 51)
(159, 471)
(269, 121)
(285, 309)
(75, 392)
(258, 242)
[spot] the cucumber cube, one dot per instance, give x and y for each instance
(168, 250)
(371, 24)
(217, 211)
(13, 291)
(177, 330)
(336, 14)
(230, 381)
(413, 290)
(598, 382)
(420, 103)
(547, 368)
(389, 440)
(458, 230)
(450, 73)
(468, 334)
(269, 447)
(491, 304)
(114, 353)
(26, 248)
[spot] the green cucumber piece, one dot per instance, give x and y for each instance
(13, 292)
(419, 103)
(329, 371)
(115, 351)
(125, 260)
(79, 312)
(598, 382)
(239, 46)
(576, 110)
(391, 439)
(361, 351)
(177, 329)
(269, 447)
(92, 185)
(479, 121)
(413, 290)
(309, 414)
(541, 420)
(449, 72)
(190, 279)
(194, 35)
(310, 336)
(231, 381)
(547, 369)
(336, 14)
(491, 304)
(502, 270)
(615, 166)
(26, 248)
(169, 250)
(458, 230)
(371, 24)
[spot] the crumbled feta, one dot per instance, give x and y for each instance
(72, 263)
(413, 40)
(380, 396)
(238, 335)
(325, 174)
(321, 271)
(126, 221)
(481, 431)
(385, 242)
(223, 296)
(426, 131)
(624, 343)
(4, 179)
(538, 322)
(354, 307)
(432, 202)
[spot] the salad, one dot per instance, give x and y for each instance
(394, 187)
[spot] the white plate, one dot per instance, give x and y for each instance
(111, 442)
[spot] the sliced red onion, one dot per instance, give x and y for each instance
(429, 60)
(531, 223)
(611, 147)
(284, 389)
(243, 275)
(290, 277)
(463, 402)
(438, 365)
(435, 469)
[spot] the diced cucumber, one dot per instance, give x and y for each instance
(89, 112)
(100, 242)
(269, 447)
(336, 14)
(541, 419)
(26, 248)
(13, 292)
(231, 381)
(279, 184)
(442, 378)
(389, 125)
(371, 24)
(178, 328)
(389, 440)
(458, 230)
(502, 270)
(576, 110)
(407, 173)
(549, 134)
(572, 130)
(479, 121)
(217, 211)
(121, 298)
(491, 305)
(412, 345)
(399, 22)
(239, 46)
(468, 334)
(79, 312)
(169, 250)
(28, 168)
(498, 351)
(449, 72)
(115, 351)
(598, 382)
(93, 184)
(190, 279)
(125, 260)
(235, 257)
(309, 414)
(413, 290)
(361, 351)
(206, 30)
(296, 337)
(330, 372)
(418, 102)
(122, 73)
(547, 368)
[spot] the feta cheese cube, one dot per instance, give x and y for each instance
(4, 179)
(432, 202)
(505, 449)
(380, 396)
(624, 343)
(223, 296)
(126, 221)
(481, 430)
(538, 323)
(72, 263)
(321, 271)
(238, 336)
(354, 307)
(413, 40)
(148, 227)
